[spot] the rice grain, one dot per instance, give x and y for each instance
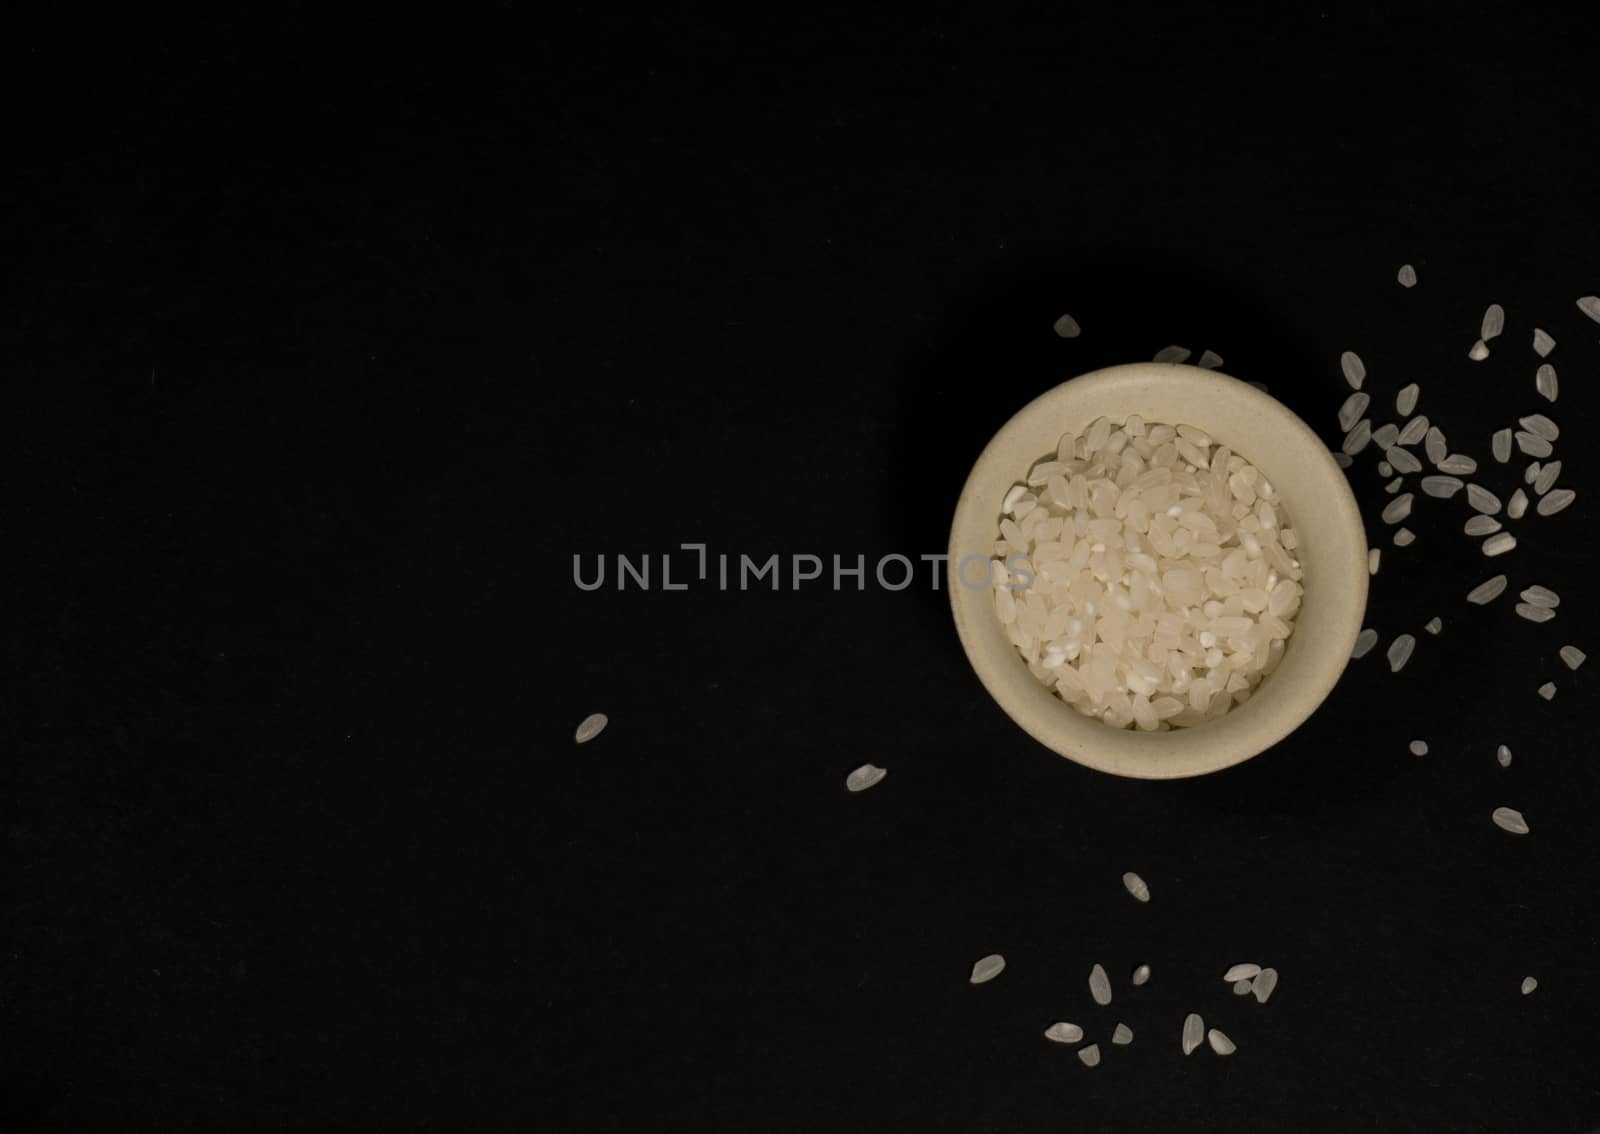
(1500, 445)
(1141, 975)
(1063, 1032)
(1406, 400)
(1480, 525)
(1528, 985)
(1403, 460)
(1354, 406)
(1385, 468)
(1242, 971)
(1090, 1056)
(1172, 354)
(1220, 1043)
(1517, 505)
(1540, 426)
(1442, 487)
(1434, 625)
(1541, 596)
(1099, 985)
(1502, 755)
(1404, 537)
(1136, 886)
(1355, 372)
(1479, 351)
(1534, 613)
(1482, 500)
(1418, 747)
(1397, 509)
(1509, 819)
(1067, 327)
(1364, 643)
(1499, 544)
(1241, 988)
(1210, 360)
(1358, 438)
(1546, 384)
(1122, 1036)
(1548, 690)
(1400, 652)
(987, 968)
(1394, 485)
(1546, 479)
(1556, 501)
(590, 727)
(1194, 1032)
(1543, 344)
(1573, 656)
(1494, 321)
(1487, 591)
(1374, 558)
(1386, 435)
(1433, 444)
(1408, 278)
(1458, 465)
(1415, 430)
(868, 775)
(1265, 984)
(1588, 304)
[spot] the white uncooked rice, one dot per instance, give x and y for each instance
(1479, 351)
(1509, 819)
(1241, 988)
(1210, 360)
(1355, 372)
(1141, 975)
(1090, 1055)
(1535, 613)
(1433, 625)
(1482, 500)
(1546, 479)
(1419, 747)
(1364, 643)
(1407, 275)
(987, 968)
(1588, 304)
(1264, 984)
(1374, 558)
(1415, 430)
(1557, 501)
(1494, 321)
(1400, 652)
(1403, 460)
(1194, 1032)
(1540, 426)
(1386, 435)
(1543, 344)
(1487, 591)
(1067, 327)
(1443, 487)
(1434, 445)
(1480, 525)
(1499, 544)
(1063, 1032)
(1241, 972)
(1548, 690)
(1458, 464)
(1546, 384)
(1573, 656)
(1358, 437)
(1354, 406)
(1099, 985)
(1517, 505)
(1528, 985)
(868, 775)
(1406, 400)
(1531, 473)
(1394, 485)
(1122, 1036)
(1502, 756)
(1500, 445)
(1160, 585)
(1172, 354)
(590, 727)
(1385, 468)
(1342, 460)
(1541, 596)
(1136, 886)
(1397, 509)
(1404, 537)
(1220, 1043)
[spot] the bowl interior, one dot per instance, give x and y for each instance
(1332, 550)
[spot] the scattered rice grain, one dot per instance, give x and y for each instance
(1364, 643)
(1503, 756)
(1528, 985)
(1385, 468)
(1136, 886)
(1509, 819)
(1499, 544)
(1442, 487)
(1173, 354)
(1500, 445)
(1090, 1056)
(1482, 500)
(1063, 1032)
(1194, 1032)
(1358, 437)
(1494, 321)
(1374, 557)
(1386, 435)
(590, 727)
(1541, 596)
(1540, 426)
(1434, 625)
(1458, 464)
(1265, 984)
(1534, 613)
(1548, 690)
(987, 968)
(1404, 537)
(1403, 460)
(1243, 971)
(1433, 444)
(868, 775)
(1479, 351)
(1394, 485)
(1342, 460)
(1122, 1036)
(1546, 383)
(1406, 400)
(1487, 591)
(1355, 372)
(1419, 747)
(1415, 430)
(1407, 275)
(1241, 988)
(1400, 652)
(1067, 327)
(1099, 985)
(1480, 525)
(1354, 406)
(1573, 656)
(1546, 480)
(1220, 1043)
(1588, 304)
(1556, 501)
(1210, 360)
(1543, 344)
(1397, 509)
(1517, 505)
(1141, 975)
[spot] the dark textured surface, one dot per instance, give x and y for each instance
(329, 346)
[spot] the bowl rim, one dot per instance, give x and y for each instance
(1342, 579)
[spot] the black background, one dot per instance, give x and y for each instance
(330, 342)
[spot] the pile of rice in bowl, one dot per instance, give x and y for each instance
(1146, 574)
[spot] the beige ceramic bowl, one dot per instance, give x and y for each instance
(1332, 548)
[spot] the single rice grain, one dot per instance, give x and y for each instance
(1546, 384)
(1063, 1032)
(1556, 501)
(1136, 886)
(1397, 509)
(868, 775)
(1419, 747)
(1573, 656)
(1067, 327)
(1494, 321)
(590, 727)
(1406, 400)
(1400, 652)
(1487, 591)
(1122, 1036)
(1403, 460)
(1588, 304)
(1480, 525)
(1210, 360)
(1407, 275)
(1173, 354)
(1354, 406)
(1528, 985)
(1478, 351)
(1500, 445)
(1265, 984)
(1194, 1032)
(1404, 537)
(1434, 445)
(1546, 479)
(1141, 975)
(1535, 613)
(1540, 426)
(1220, 1043)
(1433, 625)
(1458, 464)
(987, 968)
(1364, 643)
(1541, 596)
(1509, 819)
(1415, 430)
(1482, 500)
(1502, 756)
(1442, 487)
(1548, 690)
(1543, 344)
(1517, 505)
(1099, 985)
(1355, 372)
(1499, 544)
